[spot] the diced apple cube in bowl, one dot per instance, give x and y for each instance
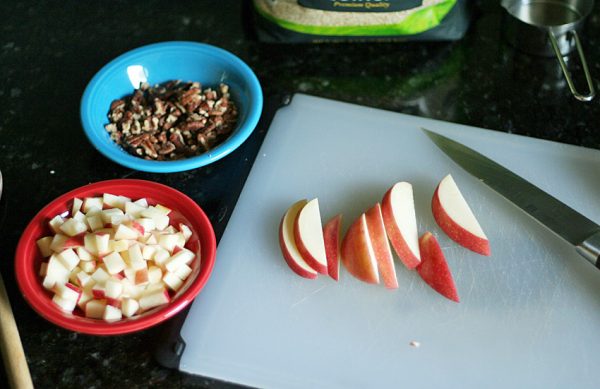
(76, 207)
(114, 263)
(129, 307)
(69, 259)
(102, 245)
(154, 274)
(73, 227)
(55, 223)
(113, 288)
(68, 291)
(100, 275)
(95, 308)
(88, 267)
(155, 299)
(44, 246)
(92, 203)
(55, 273)
(64, 304)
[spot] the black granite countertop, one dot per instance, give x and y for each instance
(50, 50)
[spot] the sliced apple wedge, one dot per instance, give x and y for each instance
(357, 252)
(455, 218)
(288, 245)
(381, 247)
(434, 269)
(331, 236)
(398, 210)
(308, 235)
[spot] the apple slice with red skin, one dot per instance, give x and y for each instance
(455, 218)
(288, 245)
(398, 210)
(434, 269)
(308, 235)
(357, 252)
(331, 236)
(381, 247)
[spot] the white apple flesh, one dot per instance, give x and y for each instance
(183, 272)
(398, 211)
(308, 235)
(55, 223)
(134, 210)
(92, 203)
(72, 227)
(102, 243)
(456, 219)
(76, 207)
(65, 304)
(172, 281)
(129, 307)
(153, 300)
(44, 246)
(68, 291)
(56, 272)
(94, 222)
(183, 257)
(288, 245)
(113, 289)
(111, 313)
(95, 309)
(114, 263)
(155, 274)
(69, 259)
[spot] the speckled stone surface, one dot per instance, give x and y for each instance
(50, 50)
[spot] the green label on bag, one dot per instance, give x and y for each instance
(361, 5)
(417, 22)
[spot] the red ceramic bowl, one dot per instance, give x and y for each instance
(28, 258)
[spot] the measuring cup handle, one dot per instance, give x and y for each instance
(591, 90)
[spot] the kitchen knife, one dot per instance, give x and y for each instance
(567, 223)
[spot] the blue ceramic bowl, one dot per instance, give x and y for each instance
(158, 63)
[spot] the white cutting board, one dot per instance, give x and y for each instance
(529, 315)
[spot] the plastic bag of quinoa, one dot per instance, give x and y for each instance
(360, 20)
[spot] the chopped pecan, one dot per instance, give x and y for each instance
(149, 149)
(117, 105)
(159, 107)
(224, 88)
(203, 141)
(210, 126)
(162, 137)
(210, 94)
(192, 126)
(166, 149)
(111, 127)
(218, 120)
(177, 140)
(136, 140)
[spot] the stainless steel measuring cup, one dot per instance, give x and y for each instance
(549, 27)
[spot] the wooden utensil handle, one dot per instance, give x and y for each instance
(10, 344)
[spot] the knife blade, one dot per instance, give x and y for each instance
(564, 221)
